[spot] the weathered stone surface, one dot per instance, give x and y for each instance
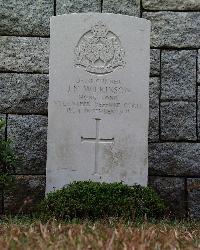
(155, 62)
(23, 93)
(88, 138)
(198, 73)
(26, 194)
(2, 132)
(25, 17)
(174, 29)
(178, 72)
(28, 134)
(178, 121)
(24, 54)
(172, 190)
(193, 189)
(73, 6)
(171, 4)
(176, 159)
(126, 7)
(154, 91)
(198, 113)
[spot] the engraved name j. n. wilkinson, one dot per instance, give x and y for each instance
(99, 50)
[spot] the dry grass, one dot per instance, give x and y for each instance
(100, 235)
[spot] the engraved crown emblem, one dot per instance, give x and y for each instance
(99, 30)
(99, 50)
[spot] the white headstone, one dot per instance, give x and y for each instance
(98, 99)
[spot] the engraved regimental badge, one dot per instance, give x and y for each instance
(99, 50)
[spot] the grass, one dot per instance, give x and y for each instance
(25, 233)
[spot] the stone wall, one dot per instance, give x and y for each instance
(174, 134)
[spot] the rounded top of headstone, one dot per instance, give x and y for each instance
(112, 15)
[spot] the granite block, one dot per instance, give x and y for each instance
(76, 6)
(198, 67)
(154, 92)
(155, 62)
(178, 121)
(23, 93)
(174, 29)
(24, 54)
(171, 4)
(125, 7)
(172, 190)
(193, 189)
(25, 18)
(175, 159)
(178, 75)
(28, 134)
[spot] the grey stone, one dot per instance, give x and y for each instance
(193, 189)
(171, 4)
(172, 190)
(28, 134)
(174, 29)
(198, 112)
(178, 121)
(154, 92)
(74, 6)
(25, 195)
(178, 72)
(23, 93)
(2, 132)
(198, 73)
(126, 7)
(25, 17)
(92, 93)
(24, 54)
(176, 159)
(155, 62)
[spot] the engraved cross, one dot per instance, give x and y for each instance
(97, 140)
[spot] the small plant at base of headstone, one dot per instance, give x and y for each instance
(8, 161)
(94, 200)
